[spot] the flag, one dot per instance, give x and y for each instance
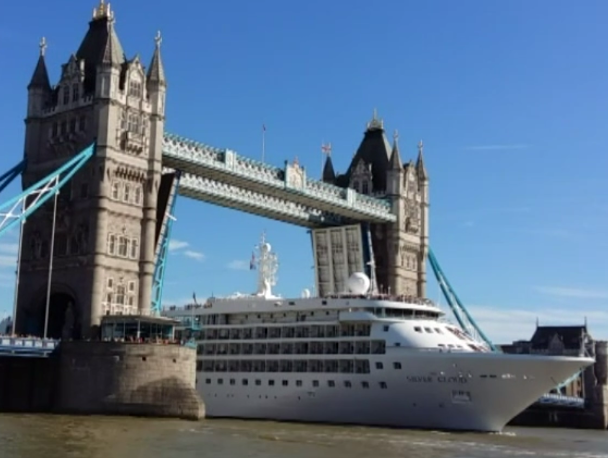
(252, 262)
(263, 127)
(326, 149)
(194, 297)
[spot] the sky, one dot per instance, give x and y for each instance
(510, 99)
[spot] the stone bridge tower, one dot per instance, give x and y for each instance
(400, 248)
(104, 246)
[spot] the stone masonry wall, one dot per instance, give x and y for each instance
(130, 379)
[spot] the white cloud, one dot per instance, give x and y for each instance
(175, 245)
(496, 147)
(504, 326)
(238, 264)
(468, 224)
(578, 293)
(194, 255)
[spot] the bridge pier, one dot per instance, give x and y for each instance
(103, 378)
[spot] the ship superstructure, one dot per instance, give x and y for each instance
(356, 357)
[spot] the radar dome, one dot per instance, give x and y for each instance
(306, 293)
(266, 247)
(358, 283)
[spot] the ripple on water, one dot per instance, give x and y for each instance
(40, 436)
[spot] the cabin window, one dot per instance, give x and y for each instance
(331, 383)
(364, 384)
(397, 365)
(315, 383)
(379, 365)
(418, 329)
(383, 385)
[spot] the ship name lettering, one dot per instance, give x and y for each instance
(418, 379)
(452, 379)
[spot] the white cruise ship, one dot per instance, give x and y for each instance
(356, 358)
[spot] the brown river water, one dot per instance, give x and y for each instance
(46, 436)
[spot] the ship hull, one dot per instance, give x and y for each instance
(430, 390)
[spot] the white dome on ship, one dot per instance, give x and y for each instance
(266, 247)
(358, 283)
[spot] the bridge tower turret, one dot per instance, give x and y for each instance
(400, 248)
(103, 251)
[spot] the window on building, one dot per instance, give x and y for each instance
(110, 283)
(123, 120)
(75, 92)
(127, 193)
(365, 187)
(111, 244)
(137, 195)
(132, 286)
(84, 190)
(134, 247)
(120, 295)
(64, 127)
(55, 129)
(123, 246)
(66, 95)
(133, 123)
(82, 123)
(115, 190)
(135, 89)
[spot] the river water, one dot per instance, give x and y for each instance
(46, 436)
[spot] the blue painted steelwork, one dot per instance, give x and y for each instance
(465, 320)
(20, 207)
(26, 347)
(562, 401)
(161, 261)
(8, 177)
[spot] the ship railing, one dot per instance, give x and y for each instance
(383, 297)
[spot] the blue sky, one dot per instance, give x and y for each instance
(510, 99)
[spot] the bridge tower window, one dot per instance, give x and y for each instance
(111, 244)
(115, 190)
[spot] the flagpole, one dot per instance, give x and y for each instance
(263, 141)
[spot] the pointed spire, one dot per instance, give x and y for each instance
(102, 11)
(329, 174)
(113, 53)
(420, 168)
(156, 71)
(40, 78)
(395, 160)
(376, 123)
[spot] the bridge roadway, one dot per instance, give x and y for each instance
(26, 346)
(222, 177)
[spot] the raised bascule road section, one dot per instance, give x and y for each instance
(101, 180)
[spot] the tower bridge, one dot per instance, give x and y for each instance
(99, 246)
(101, 178)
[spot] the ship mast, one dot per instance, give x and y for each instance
(267, 265)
